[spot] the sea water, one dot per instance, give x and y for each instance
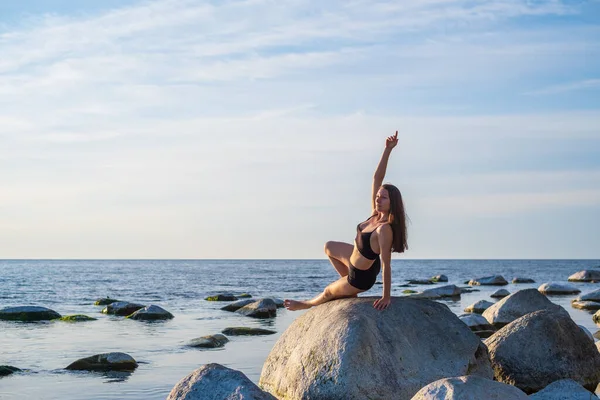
(180, 286)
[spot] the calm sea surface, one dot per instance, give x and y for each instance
(71, 286)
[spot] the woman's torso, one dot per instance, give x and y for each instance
(366, 243)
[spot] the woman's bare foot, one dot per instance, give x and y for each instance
(294, 305)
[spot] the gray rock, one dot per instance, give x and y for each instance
(468, 290)
(122, 308)
(518, 304)
(264, 308)
(439, 278)
(244, 296)
(590, 296)
(28, 314)
(479, 307)
(586, 305)
(209, 342)
(476, 322)
(469, 388)
(151, 313)
(105, 362)
(243, 331)
(588, 275)
(558, 288)
(77, 318)
(439, 292)
(345, 349)
(6, 370)
(278, 302)
(494, 280)
(564, 389)
(519, 279)
(596, 317)
(236, 305)
(500, 293)
(540, 348)
(216, 382)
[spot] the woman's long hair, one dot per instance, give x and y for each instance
(397, 219)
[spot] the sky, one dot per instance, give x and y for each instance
(251, 129)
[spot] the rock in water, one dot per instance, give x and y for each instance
(439, 278)
(540, 348)
(500, 293)
(121, 308)
(518, 304)
(588, 275)
(519, 279)
(558, 288)
(216, 382)
(590, 296)
(439, 292)
(8, 370)
(105, 362)
(209, 342)
(565, 389)
(469, 388)
(264, 308)
(104, 301)
(346, 349)
(151, 313)
(28, 314)
(479, 307)
(236, 305)
(77, 318)
(494, 280)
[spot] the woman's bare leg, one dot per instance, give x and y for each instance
(339, 255)
(337, 290)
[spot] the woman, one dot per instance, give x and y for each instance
(383, 232)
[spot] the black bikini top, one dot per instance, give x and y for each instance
(363, 243)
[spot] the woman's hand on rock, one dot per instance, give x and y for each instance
(382, 303)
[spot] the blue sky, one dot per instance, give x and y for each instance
(251, 129)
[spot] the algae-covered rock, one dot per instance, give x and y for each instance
(209, 342)
(222, 297)
(244, 296)
(243, 331)
(105, 301)
(408, 291)
(77, 318)
(6, 370)
(28, 314)
(151, 313)
(105, 362)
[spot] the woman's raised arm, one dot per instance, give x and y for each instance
(390, 143)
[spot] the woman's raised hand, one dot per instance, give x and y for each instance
(391, 141)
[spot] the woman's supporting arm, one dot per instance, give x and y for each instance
(385, 245)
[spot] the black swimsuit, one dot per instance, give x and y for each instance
(360, 278)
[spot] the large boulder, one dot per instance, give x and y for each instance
(565, 389)
(105, 362)
(346, 349)
(151, 313)
(28, 314)
(264, 308)
(558, 288)
(518, 304)
(122, 308)
(540, 348)
(216, 382)
(439, 292)
(469, 388)
(588, 275)
(494, 280)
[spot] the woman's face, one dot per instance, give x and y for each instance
(382, 200)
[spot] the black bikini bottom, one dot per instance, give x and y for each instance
(364, 279)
